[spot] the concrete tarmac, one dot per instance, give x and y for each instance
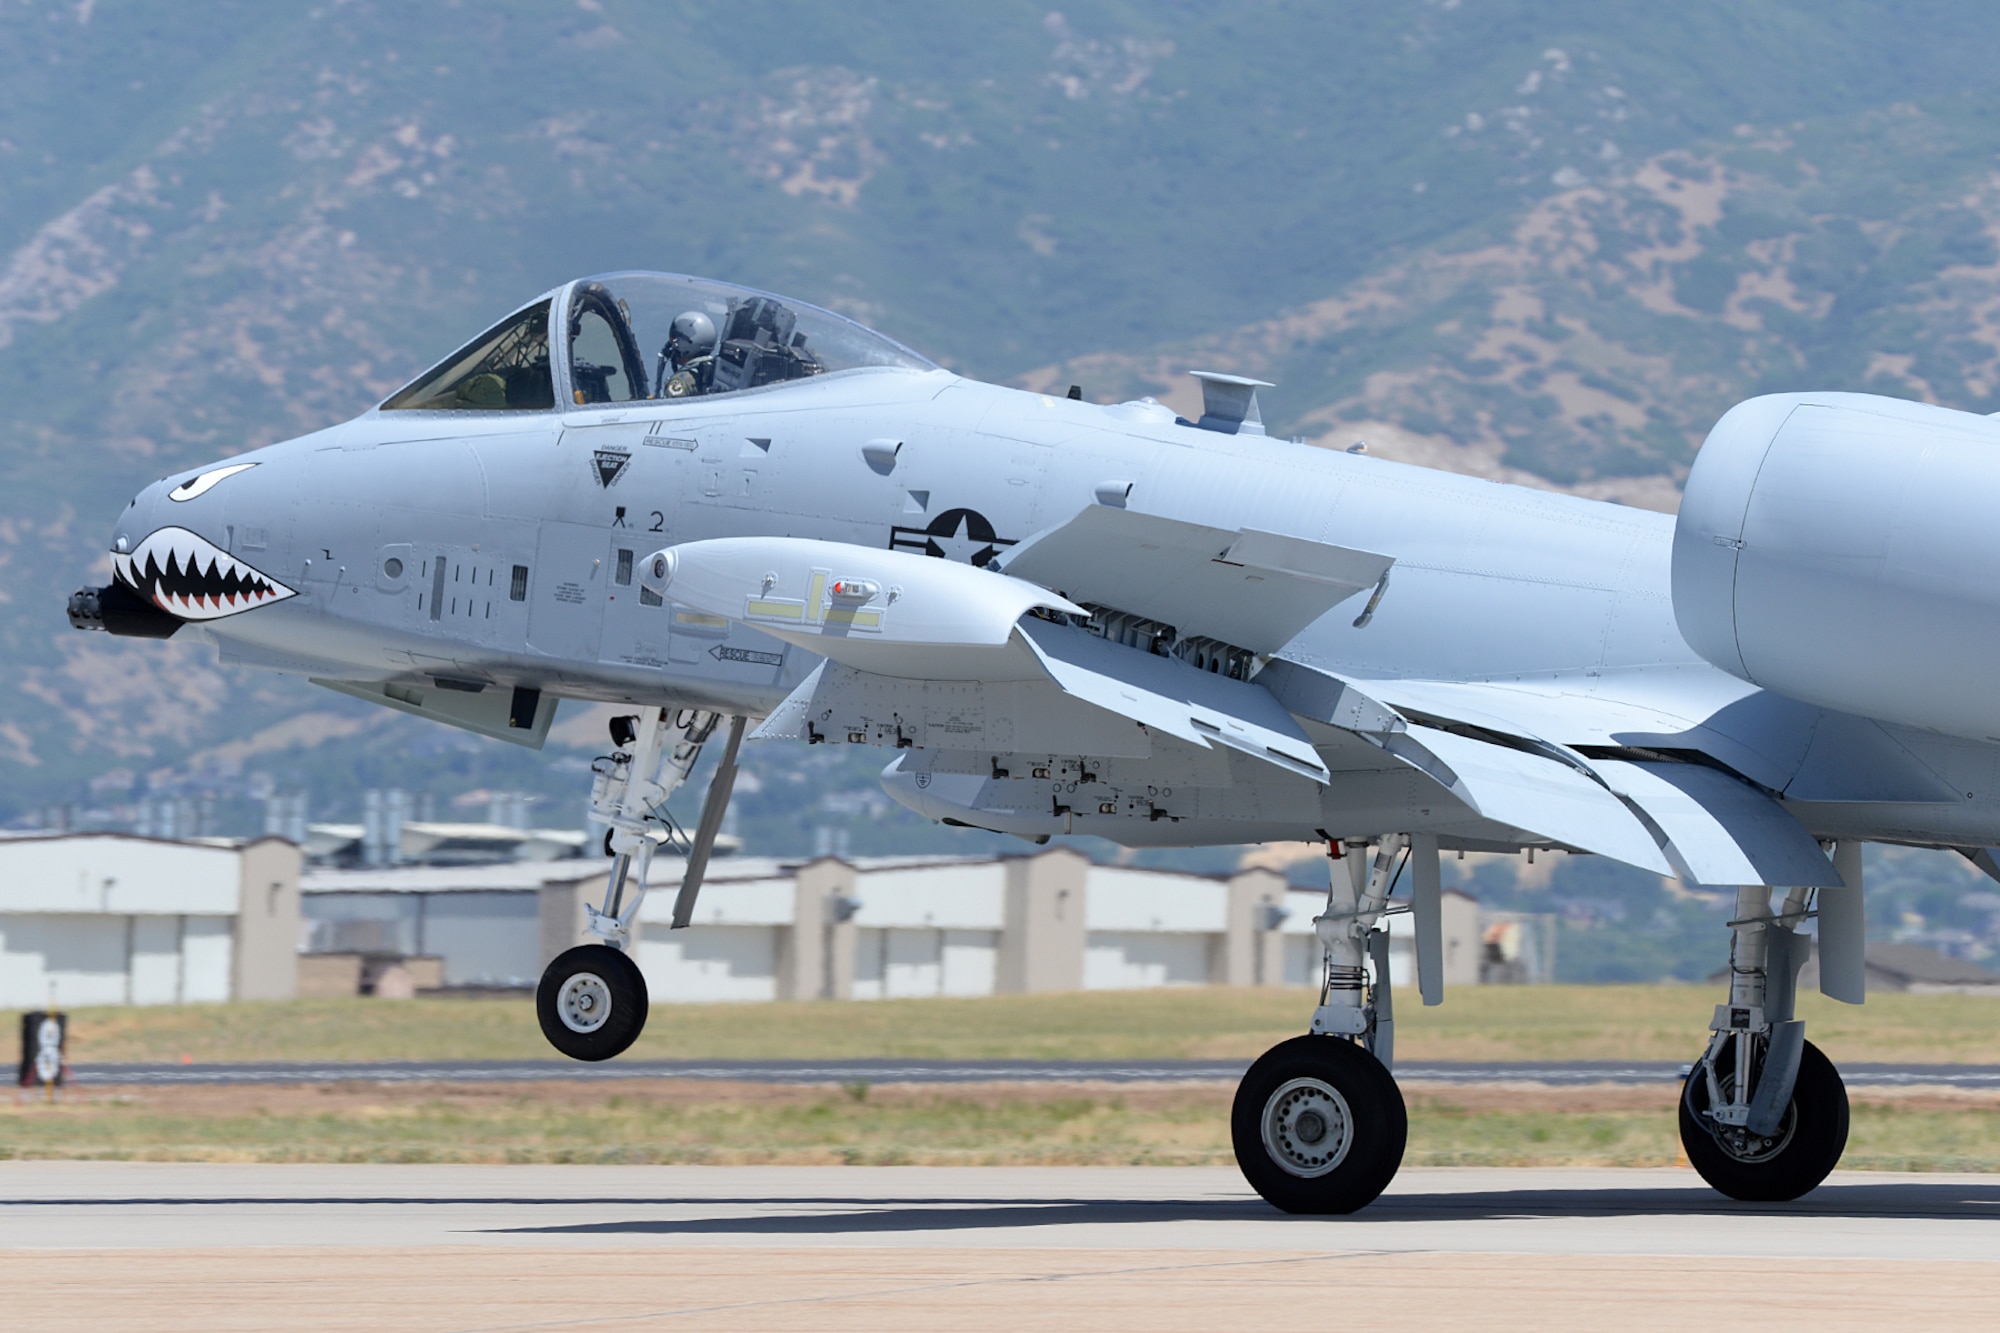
(217, 1247)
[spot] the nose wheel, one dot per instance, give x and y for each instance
(1798, 1153)
(592, 1002)
(1319, 1126)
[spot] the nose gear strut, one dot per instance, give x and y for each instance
(592, 1001)
(628, 794)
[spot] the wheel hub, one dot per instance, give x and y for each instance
(584, 1003)
(1308, 1127)
(1747, 1147)
(1740, 1143)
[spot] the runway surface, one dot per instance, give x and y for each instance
(964, 1071)
(171, 1246)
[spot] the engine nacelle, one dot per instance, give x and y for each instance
(1844, 549)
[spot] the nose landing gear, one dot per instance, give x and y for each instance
(592, 999)
(592, 1002)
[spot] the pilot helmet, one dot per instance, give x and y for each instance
(692, 329)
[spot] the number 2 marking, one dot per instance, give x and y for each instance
(659, 522)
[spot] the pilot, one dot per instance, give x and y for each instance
(690, 352)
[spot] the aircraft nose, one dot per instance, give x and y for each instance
(141, 516)
(173, 561)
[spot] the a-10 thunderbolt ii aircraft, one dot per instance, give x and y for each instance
(1060, 617)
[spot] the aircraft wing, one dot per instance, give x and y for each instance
(1720, 831)
(1713, 828)
(929, 653)
(1170, 696)
(1245, 587)
(1541, 789)
(1534, 793)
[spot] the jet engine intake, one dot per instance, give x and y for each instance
(1842, 549)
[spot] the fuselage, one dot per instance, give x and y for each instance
(496, 549)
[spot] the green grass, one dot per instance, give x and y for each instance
(675, 1122)
(726, 1125)
(656, 1123)
(1487, 1023)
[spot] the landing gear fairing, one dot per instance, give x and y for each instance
(716, 506)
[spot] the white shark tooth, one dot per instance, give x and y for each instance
(210, 583)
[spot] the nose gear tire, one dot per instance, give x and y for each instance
(1319, 1126)
(1796, 1158)
(592, 1002)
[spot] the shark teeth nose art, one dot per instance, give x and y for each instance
(193, 578)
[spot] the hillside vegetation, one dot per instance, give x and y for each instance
(1543, 241)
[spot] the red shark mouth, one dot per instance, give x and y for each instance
(190, 577)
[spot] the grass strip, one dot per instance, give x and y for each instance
(1483, 1023)
(666, 1121)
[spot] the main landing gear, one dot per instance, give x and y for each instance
(1764, 1114)
(1319, 1123)
(592, 999)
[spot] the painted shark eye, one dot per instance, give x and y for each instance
(207, 481)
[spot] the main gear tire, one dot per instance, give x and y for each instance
(1794, 1159)
(592, 1002)
(1319, 1126)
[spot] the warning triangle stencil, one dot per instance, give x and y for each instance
(609, 464)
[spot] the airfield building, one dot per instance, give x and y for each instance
(110, 918)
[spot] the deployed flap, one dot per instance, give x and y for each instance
(1253, 589)
(1324, 697)
(1535, 794)
(886, 612)
(1170, 696)
(1720, 832)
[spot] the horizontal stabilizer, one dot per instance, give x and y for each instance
(887, 612)
(1170, 696)
(1720, 831)
(1532, 793)
(1252, 589)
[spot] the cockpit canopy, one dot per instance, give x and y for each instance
(630, 337)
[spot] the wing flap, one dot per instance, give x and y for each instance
(1170, 696)
(1720, 832)
(1532, 793)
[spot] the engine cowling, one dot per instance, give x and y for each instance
(1844, 549)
